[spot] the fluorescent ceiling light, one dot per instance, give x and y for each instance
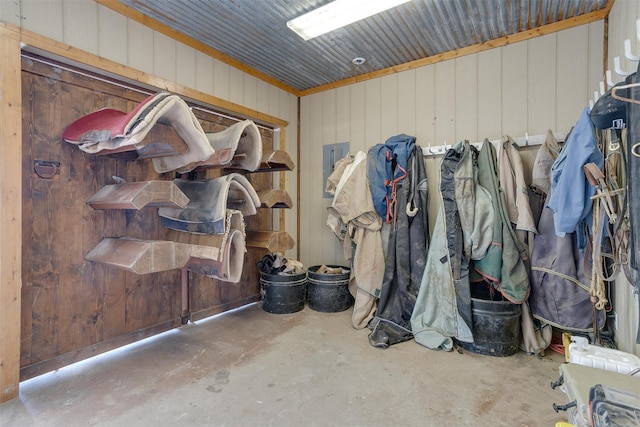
(337, 14)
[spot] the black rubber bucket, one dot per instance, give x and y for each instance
(283, 293)
(329, 293)
(496, 327)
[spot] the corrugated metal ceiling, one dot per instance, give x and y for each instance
(254, 32)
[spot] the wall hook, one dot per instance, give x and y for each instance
(627, 51)
(435, 150)
(616, 66)
(602, 90)
(638, 29)
(610, 82)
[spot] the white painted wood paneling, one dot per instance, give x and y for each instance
(221, 80)
(80, 27)
(426, 119)
(425, 106)
(329, 119)
(390, 103)
(342, 115)
(572, 82)
(236, 87)
(489, 105)
(274, 100)
(541, 85)
(445, 112)
(514, 89)
(10, 12)
(466, 98)
(140, 47)
(249, 91)
(596, 61)
(373, 112)
(357, 107)
(164, 57)
(407, 102)
(204, 72)
(315, 236)
(112, 35)
(43, 17)
(261, 95)
(185, 65)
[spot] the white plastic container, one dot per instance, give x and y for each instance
(576, 382)
(583, 353)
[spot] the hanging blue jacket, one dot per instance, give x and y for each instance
(387, 166)
(571, 193)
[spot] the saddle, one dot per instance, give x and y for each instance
(115, 131)
(110, 131)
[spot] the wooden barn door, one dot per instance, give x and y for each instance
(71, 308)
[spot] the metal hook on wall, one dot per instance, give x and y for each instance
(627, 51)
(616, 65)
(610, 82)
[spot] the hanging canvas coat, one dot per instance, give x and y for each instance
(406, 251)
(503, 265)
(541, 174)
(559, 286)
(515, 190)
(355, 222)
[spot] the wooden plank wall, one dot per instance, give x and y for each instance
(524, 87)
(72, 308)
(95, 34)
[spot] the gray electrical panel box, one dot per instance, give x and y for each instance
(331, 153)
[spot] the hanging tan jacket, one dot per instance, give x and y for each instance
(353, 218)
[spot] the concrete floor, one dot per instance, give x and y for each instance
(252, 368)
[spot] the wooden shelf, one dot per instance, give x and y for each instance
(273, 241)
(272, 161)
(276, 161)
(137, 195)
(275, 198)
